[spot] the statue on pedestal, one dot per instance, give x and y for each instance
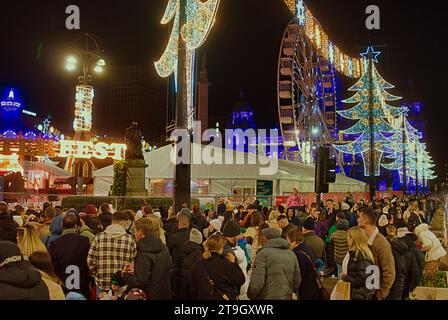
(136, 177)
(133, 140)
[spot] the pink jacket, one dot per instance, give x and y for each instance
(294, 200)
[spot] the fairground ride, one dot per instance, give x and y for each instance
(307, 67)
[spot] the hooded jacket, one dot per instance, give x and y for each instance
(109, 252)
(71, 249)
(412, 274)
(152, 269)
(55, 229)
(193, 255)
(399, 249)
(276, 272)
(85, 231)
(339, 240)
(19, 280)
(431, 245)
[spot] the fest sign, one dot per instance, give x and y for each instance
(88, 150)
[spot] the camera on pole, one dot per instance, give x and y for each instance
(325, 170)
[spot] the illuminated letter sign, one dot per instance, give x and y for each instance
(87, 150)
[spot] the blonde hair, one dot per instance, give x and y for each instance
(359, 243)
(273, 215)
(214, 244)
(391, 232)
(157, 226)
(29, 241)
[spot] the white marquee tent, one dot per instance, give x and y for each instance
(223, 178)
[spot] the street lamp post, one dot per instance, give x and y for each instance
(88, 55)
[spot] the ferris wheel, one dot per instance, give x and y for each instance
(306, 96)
(307, 100)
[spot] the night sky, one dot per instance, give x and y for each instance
(242, 51)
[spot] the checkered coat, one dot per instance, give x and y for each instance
(109, 252)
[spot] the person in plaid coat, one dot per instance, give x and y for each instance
(110, 251)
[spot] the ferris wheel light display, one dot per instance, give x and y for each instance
(349, 66)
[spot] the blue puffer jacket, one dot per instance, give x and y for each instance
(55, 229)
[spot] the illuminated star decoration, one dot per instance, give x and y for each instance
(371, 54)
(200, 18)
(46, 125)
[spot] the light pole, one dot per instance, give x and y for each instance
(86, 56)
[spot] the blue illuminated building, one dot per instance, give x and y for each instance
(14, 118)
(243, 114)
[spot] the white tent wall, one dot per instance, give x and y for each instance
(289, 174)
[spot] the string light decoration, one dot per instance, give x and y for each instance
(200, 18)
(408, 153)
(83, 108)
(382, 111)
(320, 40)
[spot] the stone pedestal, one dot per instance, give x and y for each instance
(136, 186)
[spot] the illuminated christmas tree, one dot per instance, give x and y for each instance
(408, 154)
(381, 113)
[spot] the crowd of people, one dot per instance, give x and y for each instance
(256, 253)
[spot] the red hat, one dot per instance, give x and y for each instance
(91, 210)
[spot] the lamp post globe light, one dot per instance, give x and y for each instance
(85, 58)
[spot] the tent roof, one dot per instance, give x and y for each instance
(161, 167)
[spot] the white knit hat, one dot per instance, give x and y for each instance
(383, 221)
(216, 224)
(401, 232)
(196, 236)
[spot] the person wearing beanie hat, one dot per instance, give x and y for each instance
(313, 241)
(271, 233)
(340, 243)
(196, 236)
(383, 222)
(214, 226)
(232, 232)
(276, 272)
(18, 279)
(185, 212)
(193, 250)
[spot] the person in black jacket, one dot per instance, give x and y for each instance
(198, 219)
(413, 277)
(216, 277)
(309, 288)
(359, 259)
(292, 217)
(18, 279)
(105, 216)
(193, 254)
(8, 227)
(399, 249)
(176, 242)
(151, 272)
(71, 249)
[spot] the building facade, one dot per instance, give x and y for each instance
(137, 95)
